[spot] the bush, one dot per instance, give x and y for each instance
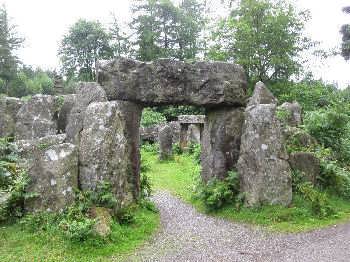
(145, 186)
(217, 193)
(320, 205)
(150, 118)
(13, 182)
(195, 150)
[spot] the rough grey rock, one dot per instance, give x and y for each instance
(294, 113)
(307, 163)
(37, 118)
(149, 133)
(67, 103)
(86, 93)
(221, 142)
(165, 138)
(103, 219)
(9, 106)
(261, 95)
(194, 133)
(265, 175)
(167, 81)
(191, 119)
(109, 148)
(53, 171)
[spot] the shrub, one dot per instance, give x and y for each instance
(145, 186)
(195, 150)
(217, 193)
(148, 147)
(320, 205)
(151, 117)
(13, 182)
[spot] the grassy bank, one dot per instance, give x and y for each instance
(19, 244)
(178, 176)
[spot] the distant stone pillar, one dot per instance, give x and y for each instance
(165, 138)
(221, 142)
(58, 85)
(183, 136)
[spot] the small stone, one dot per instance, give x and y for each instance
(103, 219)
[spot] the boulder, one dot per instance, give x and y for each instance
(165, 138)
(37, 118)
(294, 113)
(103, 219)
(109, 148)
(53, 171)
(66, 105)
(265, 175)
(221, 142)
(87, 93)
(307, 163)
(9, 107)
(168, 81)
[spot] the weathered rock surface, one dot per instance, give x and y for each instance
(165, 138)
(104, 220)
(194, 133)
(167, 81)
(37, 118)
(149, 133)
(87, 93)
(265, 174)
(66, 105)
(294, 113)
(109, 148)
(9, 107)
(191, 119)
(221, 142)
(53, 171)
(299, 137)
(307, 163)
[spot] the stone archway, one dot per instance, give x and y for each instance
(218, 87)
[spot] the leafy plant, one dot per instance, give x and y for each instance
(319, 203)
(217, 193)
(151, 117)
(145, 186)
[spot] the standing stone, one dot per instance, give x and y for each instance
(109, 148)
(307, 163)
(194, 133)
(37, 118)
(221, 142)
(165, 137)
(53, 171)
(87, 93)
(167, 81)
(265, 174)
(9, 107)
(294, 113)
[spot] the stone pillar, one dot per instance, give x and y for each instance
(183, 136)
(109, 148)
(194, 133)
(221, 142)
(265, 175)
(165, 138)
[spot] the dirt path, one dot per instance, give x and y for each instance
(187, 235)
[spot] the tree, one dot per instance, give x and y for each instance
(264, 36)
(10, 42)
(82, 47)
(120, 42)
(165, 30)
(345, 30)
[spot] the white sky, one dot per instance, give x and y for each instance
(44, 22)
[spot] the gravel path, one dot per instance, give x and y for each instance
(187, 235)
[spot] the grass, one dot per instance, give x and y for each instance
(179, 175)
(17, 244)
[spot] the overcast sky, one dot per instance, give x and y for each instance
(44, 22)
